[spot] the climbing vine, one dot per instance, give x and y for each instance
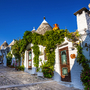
(36, 56)
(16, 50)
(85, 74)
(50, 40)
(9, 58)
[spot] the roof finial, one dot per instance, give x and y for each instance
(89, 6)
(44, 18)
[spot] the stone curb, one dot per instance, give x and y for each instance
(23, 85)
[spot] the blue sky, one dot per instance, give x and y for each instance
(17, 16)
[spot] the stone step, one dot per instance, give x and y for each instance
(67, 84)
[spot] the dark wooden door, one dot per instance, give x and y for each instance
(64, 65)
(29, 59)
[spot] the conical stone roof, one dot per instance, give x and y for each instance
(5, 44)
(12, 43)
(43, 27)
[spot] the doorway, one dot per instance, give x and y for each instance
(29, 59)
(64, 65)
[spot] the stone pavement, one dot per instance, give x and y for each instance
(10, 79)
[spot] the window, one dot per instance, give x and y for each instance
(63, 57)
(30, 55)
(65, 71)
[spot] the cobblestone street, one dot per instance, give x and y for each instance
(10, 79)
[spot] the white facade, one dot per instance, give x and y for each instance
(33, 70)
(83, 24)
(75, 68)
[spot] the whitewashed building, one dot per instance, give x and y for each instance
(29, 55)
(66, 69)
(4, 49)
(72, 67)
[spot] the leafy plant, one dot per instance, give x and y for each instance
(9, 58)
(85, 74)
(16, 50)
(20, 68)
(36, 55)
(50, 40)
(47, 70)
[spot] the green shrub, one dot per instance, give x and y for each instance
(85, 78)
(8, 62)
(47, 70)
(20, 68)
(85, 74)
(9, 58)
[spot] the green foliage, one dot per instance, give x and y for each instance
(85, 74)
(85, 78)
(47, 70)
(37, 39)
(73, 36)
(27, 38)
(9, 58)
(16, 50)
(54, 37)
(20, 68)
(50, 40)
(36, 55)
(81, 58)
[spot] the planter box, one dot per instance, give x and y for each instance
(40, 74)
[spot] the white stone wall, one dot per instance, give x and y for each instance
(5, 60)
(82, 22)
(41, 48)
(75, 70)
(33, 70)
(13, 57)
(57, 73)
(74, 66)
(88, 20)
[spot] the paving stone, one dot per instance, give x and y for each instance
(9, 76)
